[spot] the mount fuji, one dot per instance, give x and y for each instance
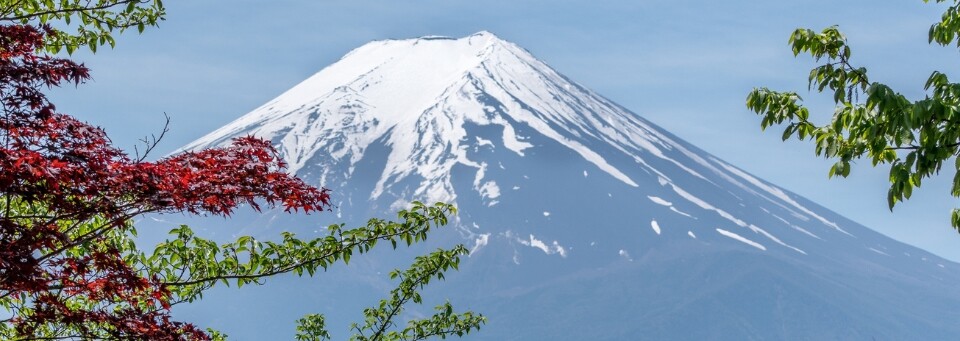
(585, 221)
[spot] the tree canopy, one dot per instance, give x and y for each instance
(915, 137)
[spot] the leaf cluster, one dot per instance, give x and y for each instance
(77, 23)
(75, 286)
(379, 319)
(871, 120)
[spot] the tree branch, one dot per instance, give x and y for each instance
(286, 268)
(69, 10)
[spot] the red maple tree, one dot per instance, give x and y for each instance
(67, 197)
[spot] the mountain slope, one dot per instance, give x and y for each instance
(584, 219)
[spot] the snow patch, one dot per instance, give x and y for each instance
(553, 248)
(560, 249)
(659, 201)
(626, 255)
(655, 226)
(480, 242)
(674, 209)
(483, 142)
(704, 205)
(511, 142)
(663, 180)
(489, 190)
(741, 239)
(795, 227)
(534, 242)
(759, 230)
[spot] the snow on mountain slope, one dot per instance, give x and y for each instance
(424, 86)
(417, 96)
(559, 188)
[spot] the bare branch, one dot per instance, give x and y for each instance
(152, 141)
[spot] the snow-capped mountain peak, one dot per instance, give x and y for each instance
(562, 191)
(432, 105)
(431, 86)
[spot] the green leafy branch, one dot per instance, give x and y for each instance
(915, 137)
(92, 22)
(379, 320)
(189, 265)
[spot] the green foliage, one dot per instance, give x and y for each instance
(871, 120)
(97, 235)
(83, 22)
(191, 265)
(187, 265)
(312, 328)
(380, 319)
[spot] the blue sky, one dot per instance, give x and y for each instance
(685, 65)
